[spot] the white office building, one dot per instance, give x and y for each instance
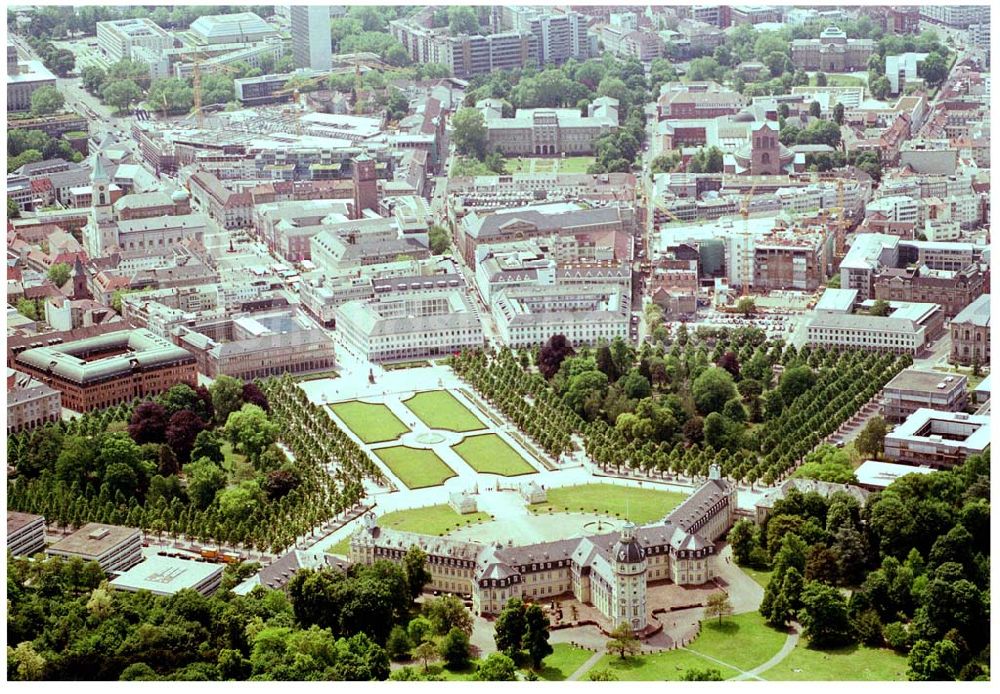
(119, 39)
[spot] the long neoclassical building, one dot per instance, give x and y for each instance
(609, 571)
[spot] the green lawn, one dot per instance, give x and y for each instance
(488, 453)
(762, 577)
(857, 663)
(744, 641)
(430, 520)
(439, 409)
(549, 164)
(833, 80)
(415, 467)
(641, 505)
(668, 665)
(342, 547)
(564, 661)
(373, 423)
(575, 164)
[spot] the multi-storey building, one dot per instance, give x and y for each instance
(311, 45)
(25, 534)
(938, 439)
(30, 403)
(867, 254)
(256, 345)
(109, 369)
(697, 100)
(953, 290)
(957, 16)
(559, 35)
(114, 547)
(832, 52)
(970, 333)
(756, 14)
(414, 324)
(466, 55)
(548, 131)
(609, 571)
(24, 78)
(912, 389)
(119, 39)
(586, 314)
(230, 209)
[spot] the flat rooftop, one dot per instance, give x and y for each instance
(93, 539)
(957, 428)
(166, 575)
(917, 379)
(875, 473)
(17, 520)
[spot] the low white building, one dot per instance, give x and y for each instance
(396, 326)
(585, 314)
(166, 576)
(938, 439)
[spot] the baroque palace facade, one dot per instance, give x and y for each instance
(609, 571)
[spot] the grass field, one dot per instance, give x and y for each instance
(488, 453)
(641, 505)
(415, 467)
(668, 665)
(755, 640)
(839, 81)
(549, 164)
(439, 409)
(430, 520)
(564, 661)
(856, 663)
(762, 577)
(342, 547)
(372, 423)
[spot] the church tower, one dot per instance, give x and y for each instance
(100, 233)
(628, 561)
(365, 185)
(101, 191)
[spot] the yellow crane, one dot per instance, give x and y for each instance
(197, 110)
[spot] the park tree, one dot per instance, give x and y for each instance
(718, 605)
(469, 133)
(795, 382)
(462, 20)
(207, 444)
(121, 93)
(13, 210)
(227, 397)
(824, 616)
(446, 612)
(46, 101)
(930, 662)
(425, 653)
(934, 69)
(252, 395)
(93, 78)
(398, 645)
(417, 575)
(623, 641)
(510, 628)
(746, 306)
(712, 389)
(815, 110)
(496, 667)
(148, 423)
(552, 354)
(536, 635)
(278, 483)
(204, 480)
(181, 432)
(743, 540)
(454, 649)
(871, 440)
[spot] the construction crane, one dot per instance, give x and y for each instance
(840, 231)
(197, 111)
(747, 264)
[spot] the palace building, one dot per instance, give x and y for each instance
(609, 571)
